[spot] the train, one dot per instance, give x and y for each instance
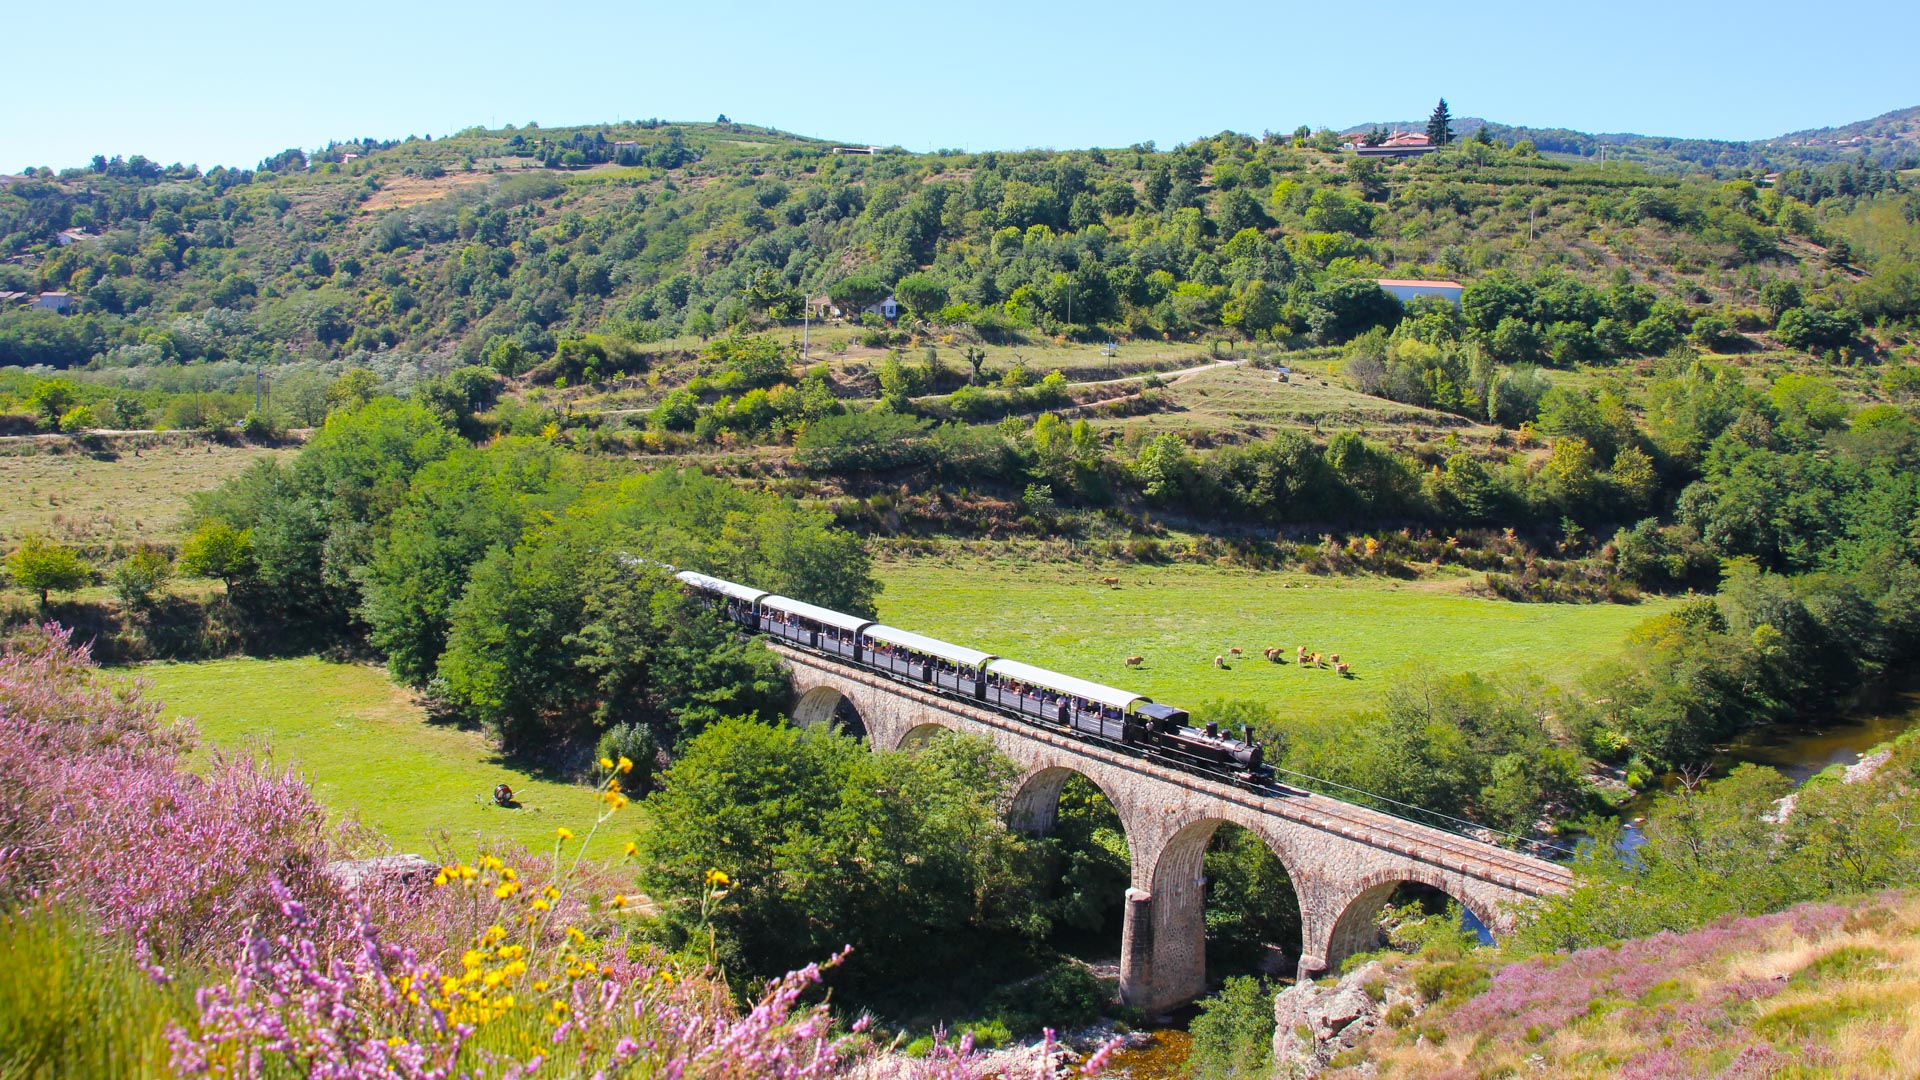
(1083, 709)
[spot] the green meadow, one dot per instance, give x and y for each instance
(370, 752)
(1179, 617)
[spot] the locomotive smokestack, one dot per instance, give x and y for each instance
(1213, 729)
(1246, 733)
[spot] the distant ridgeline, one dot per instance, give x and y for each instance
(502, 245)
(1891, 141)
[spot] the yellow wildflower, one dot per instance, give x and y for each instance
(626, 765)
(574, 933)
(540, 904)
(506, 889)
(440, 878)
(606, 763)
(619, 900)
(563, 833)
(632, 849)
(717, 879)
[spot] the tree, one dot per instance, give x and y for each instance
(45, 566)
(1440, 125)
(141, 576)
(976, 356)
(923, 294)
(824, 843)
(855, 294)
(352, 390)
(456, 511)
(218, 550)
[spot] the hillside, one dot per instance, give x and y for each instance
(447, 248)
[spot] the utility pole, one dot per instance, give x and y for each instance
(257, 377)
(806, 321)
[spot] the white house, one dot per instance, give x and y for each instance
(54, 301)
(1411, 289)
(823, 306)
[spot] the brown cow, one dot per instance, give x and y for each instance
(1234, 652)
(1111, 582)
(1135, 661)
(1220, 662)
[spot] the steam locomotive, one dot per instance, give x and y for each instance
(1088, 710)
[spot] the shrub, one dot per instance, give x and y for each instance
(1435, 981)
(635, 743)
(141, 576)
(1233, 1035)
(868, 441)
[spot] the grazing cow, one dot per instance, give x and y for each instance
(1234, 652)
(1334, 657)
(1345, 670)
(1220, 662)
(1112, 582)
(1135, 661)
(1273, 654)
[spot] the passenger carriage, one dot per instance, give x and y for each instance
(1087, 709)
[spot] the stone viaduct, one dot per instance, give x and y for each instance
(1345, 860)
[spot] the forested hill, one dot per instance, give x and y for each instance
(1890, 140)
(649, 230)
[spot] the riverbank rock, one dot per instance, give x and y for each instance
(1315, 1020)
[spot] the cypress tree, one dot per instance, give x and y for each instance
(1439, 125)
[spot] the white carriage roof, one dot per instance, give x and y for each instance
(1064, 684)
(721, 586)
(920, 643)
(823, 616)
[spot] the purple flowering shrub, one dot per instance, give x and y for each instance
(510, 966)
(98, 815)
(1663, 1007)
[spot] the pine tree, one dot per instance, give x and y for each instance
(1440, 125)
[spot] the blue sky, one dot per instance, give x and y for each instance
(230, 83)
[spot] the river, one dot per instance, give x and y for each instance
(1799, 751)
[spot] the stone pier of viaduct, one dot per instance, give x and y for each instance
(1344, 860)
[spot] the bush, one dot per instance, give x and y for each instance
(141, 576)
(258, 427)
(868, 441)
(1065, 995)
(635, 743)
(1233, 1035)
(1436, 981)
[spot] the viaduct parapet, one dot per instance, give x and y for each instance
(1345, 860)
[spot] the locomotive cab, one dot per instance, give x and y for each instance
(1164, 719)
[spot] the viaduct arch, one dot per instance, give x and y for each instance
(1344, 859)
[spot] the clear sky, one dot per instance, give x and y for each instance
(230, 83)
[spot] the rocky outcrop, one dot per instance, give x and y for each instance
(1313, 1021)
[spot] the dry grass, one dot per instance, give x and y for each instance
(134, 491)
(402, 191)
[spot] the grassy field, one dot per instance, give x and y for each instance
(1180, 617)
(117, 495)
(369, 751)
